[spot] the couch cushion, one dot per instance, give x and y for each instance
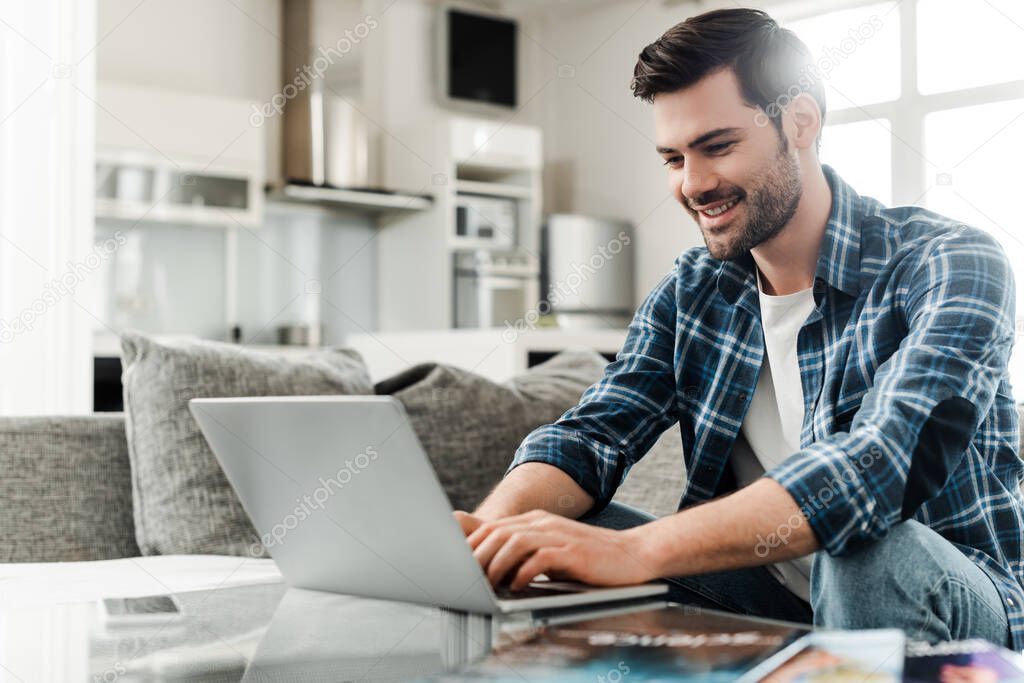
(471, 426)
(183, 502)
(655, 484)
(66, 490)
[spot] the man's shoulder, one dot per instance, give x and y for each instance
(915, 245)
(915, 230)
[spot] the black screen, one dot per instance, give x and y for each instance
(481, 58)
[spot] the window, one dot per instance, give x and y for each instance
(860, 151)
(858, 50)
(925, 104)
(958, 49)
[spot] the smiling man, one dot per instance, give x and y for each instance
(838, 370)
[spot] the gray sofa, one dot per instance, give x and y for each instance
(68, 486)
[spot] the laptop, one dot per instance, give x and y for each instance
(345, 500)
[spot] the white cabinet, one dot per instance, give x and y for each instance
(179, 157)
(495, 144)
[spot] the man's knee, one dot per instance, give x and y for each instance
(872, 585)
(912, 579)
(904, 545)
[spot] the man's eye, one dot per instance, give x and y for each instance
(673, 161)
(719, 148)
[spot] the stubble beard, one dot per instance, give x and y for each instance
(769, 206)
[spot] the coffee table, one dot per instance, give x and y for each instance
(264, 632)
(260, 632)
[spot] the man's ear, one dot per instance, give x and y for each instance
(806, 120)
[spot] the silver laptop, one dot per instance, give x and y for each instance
(346, 501)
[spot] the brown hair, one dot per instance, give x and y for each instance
(771, 64)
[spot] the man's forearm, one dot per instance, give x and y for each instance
(535, 486)
(758, 524)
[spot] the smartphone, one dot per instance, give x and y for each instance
(147, 609)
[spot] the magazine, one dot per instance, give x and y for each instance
(676, 643)
(874, 656)
(968, 661)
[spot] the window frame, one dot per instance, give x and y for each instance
(913, 175)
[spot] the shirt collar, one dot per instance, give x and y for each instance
(839, 258)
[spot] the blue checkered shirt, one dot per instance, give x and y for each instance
(908, 411)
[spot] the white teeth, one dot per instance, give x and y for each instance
(720, 209)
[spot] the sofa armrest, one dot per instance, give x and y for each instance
(66, 491)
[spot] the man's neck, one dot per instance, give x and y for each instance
(787, 261)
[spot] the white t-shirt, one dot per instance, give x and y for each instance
(773, 421)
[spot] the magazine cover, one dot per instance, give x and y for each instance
(675, 643)
(968, 661)
(874, 656)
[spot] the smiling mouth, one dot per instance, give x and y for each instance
(717, 215)
(719, 210)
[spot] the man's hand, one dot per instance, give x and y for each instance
(725, 533)
(520, 547)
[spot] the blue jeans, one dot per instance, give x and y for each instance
(912, 579)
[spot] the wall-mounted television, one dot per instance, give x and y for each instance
(476, 58)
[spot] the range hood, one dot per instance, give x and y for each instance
(327, 142)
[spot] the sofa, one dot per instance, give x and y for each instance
(106, 503)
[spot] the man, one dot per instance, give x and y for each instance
(838, 370)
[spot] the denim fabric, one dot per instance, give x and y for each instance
(752, 591)
(912, 579)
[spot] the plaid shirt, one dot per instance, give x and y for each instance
(908, 411)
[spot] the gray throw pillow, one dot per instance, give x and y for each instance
(183, 502)
(655, 484)
(66, 491)
(470, 426)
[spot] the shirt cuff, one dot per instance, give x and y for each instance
(828, 482)
(561, 448)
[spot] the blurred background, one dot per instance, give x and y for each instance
(470, 182)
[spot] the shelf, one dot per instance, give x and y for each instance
(493, 189)
(374, 202)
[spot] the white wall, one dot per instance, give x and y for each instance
(599, 140)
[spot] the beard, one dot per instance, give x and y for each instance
(770, 204)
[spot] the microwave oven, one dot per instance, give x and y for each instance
(487, 221)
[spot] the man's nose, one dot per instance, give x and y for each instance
(697, 181)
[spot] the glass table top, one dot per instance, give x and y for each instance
(269, 632)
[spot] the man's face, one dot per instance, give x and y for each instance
(739, 180)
